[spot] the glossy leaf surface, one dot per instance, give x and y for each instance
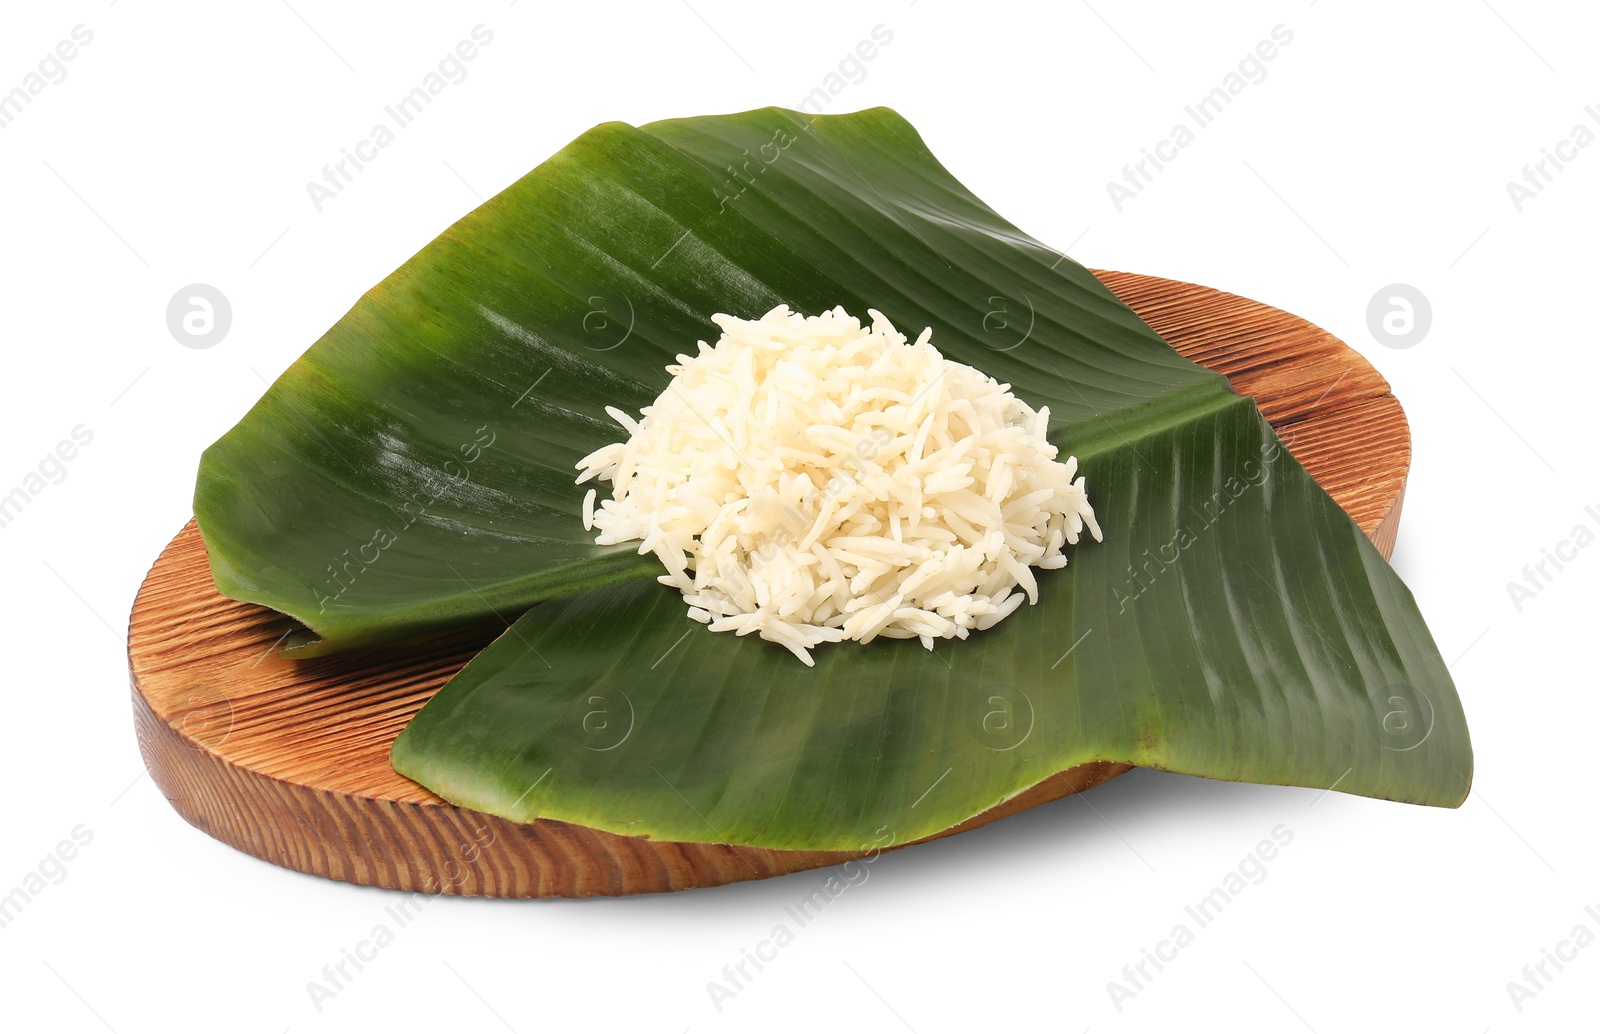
(415, 469)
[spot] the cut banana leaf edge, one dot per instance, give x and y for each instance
(414, 470)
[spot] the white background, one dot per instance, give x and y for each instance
(1377, 150)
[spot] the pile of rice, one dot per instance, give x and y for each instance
(813, 481)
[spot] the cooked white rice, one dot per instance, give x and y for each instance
(813, 481)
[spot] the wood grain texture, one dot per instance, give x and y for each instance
(289, 760)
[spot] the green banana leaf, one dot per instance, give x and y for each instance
(415, 469)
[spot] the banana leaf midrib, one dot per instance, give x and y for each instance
(505, 600)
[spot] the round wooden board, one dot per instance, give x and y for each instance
(289, 760)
